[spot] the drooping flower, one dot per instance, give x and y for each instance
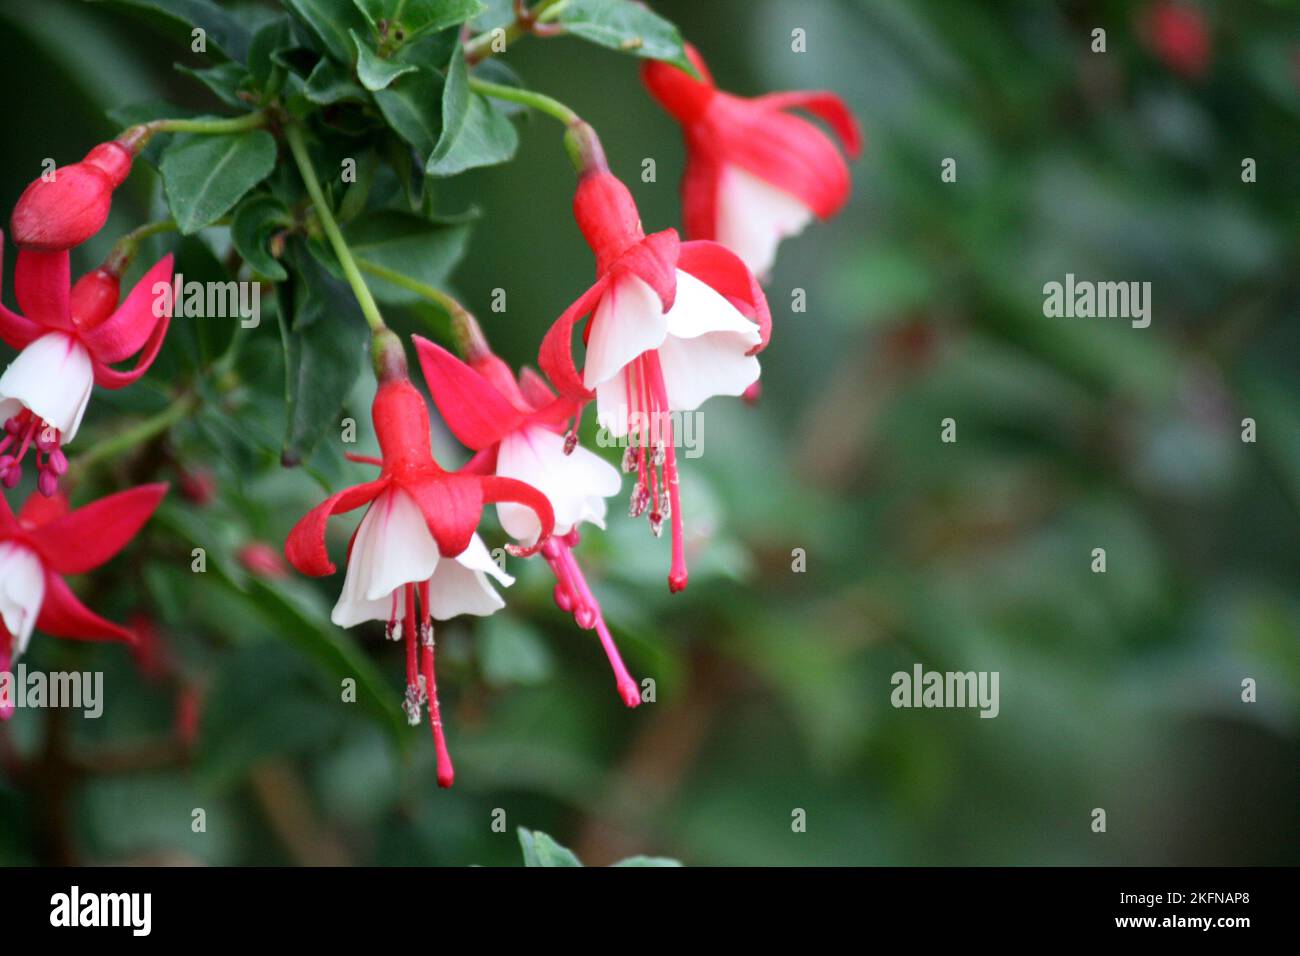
(517, 430)
(67, 342)
(755, 173)
(671, 325)
(1178, 34)
(46, 541)
(416, 556)
(70, 204)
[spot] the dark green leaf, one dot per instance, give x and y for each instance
(256, 219)
(409, 244)
(204, 176)
(224, 80)
(325, 346)
(413, 107)
(473, 132)
(271, 39)
(329, 22)
(221, 28)
(331, 83)
(625, 26)
(375, 72)
(405, 19)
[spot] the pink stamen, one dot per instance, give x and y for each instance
(586, 610)
(677, 574)
(446, 773)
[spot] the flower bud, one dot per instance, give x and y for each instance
(94, 297)
(66, 209)
(263, 560)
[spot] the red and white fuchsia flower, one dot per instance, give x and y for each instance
(71, 204)
(755, 173)
(45, 541)
(517, 430)
(416, 556)
(672, 324)
(67, 342)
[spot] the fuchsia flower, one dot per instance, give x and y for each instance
(67, 342)
(672, 324)
(755, 174)
(517, 430)
(46, 541)
(417, 542)
(55, 214)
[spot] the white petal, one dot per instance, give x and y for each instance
(628, 320)
(393, 547)
(576, 484)
(53, 377)
(22, 589)
(704, 353)
(612, 411)
(699, 309)
(754, 216)
(461, 586)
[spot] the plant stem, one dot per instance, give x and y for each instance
(232, 124)
(140, 433)
(124, 250)
(369, 309)
(538, 101)
(135, 138)
(464, 327)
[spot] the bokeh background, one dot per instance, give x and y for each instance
(1119, 690)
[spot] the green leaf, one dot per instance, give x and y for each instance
(625, 26)
(204, 176)
(330, 23)
(374, 72)
(540, 850)
(255, 220)
(271, 39)
(325, 347)
(423, 249)
(224, 80)
(331, 83)
(406, 19)
(473, 132)
(220, 27)
(413, 108)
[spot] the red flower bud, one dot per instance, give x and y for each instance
(263, 560)
(199, 487)
(66, 209)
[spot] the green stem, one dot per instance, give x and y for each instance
(369, 309)
(464, 328)
(124, 250)
(232, 124)
(135, 138)
(138, 434)
(538, 101)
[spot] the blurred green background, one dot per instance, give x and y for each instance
(1119, 690)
